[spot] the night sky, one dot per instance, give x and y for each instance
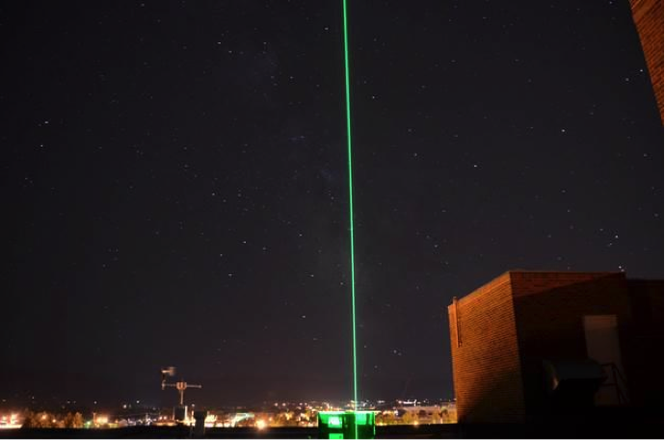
(174, 185)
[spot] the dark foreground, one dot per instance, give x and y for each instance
(616, 429)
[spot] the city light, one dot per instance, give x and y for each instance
(10, 422)
(261, 424)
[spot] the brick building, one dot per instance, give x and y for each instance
(648, 18)
(523, 339)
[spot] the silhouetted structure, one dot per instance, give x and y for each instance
(648, 18)
(537, 346)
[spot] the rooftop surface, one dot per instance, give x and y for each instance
(628, 428)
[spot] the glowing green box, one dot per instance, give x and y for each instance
(346, 424)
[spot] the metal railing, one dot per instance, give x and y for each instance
(618, 382)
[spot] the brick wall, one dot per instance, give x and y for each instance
(549, 312)
(648, 18)
(486, 370)
(499, 377)
(645, 352)
(647, 299)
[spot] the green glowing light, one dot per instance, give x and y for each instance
(347, 424)
(351, 236)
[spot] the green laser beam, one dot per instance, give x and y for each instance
(347, 83)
